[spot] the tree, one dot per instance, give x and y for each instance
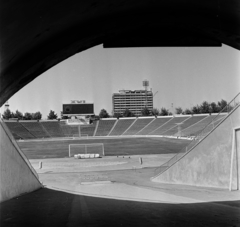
(17, 115)
(187, 111)
(155, 112)
(103, 114)
(196, 110)
(128, 113)
(52, 115)
(7, 114)
(27, 116)
(164, 112)
(145, 111)
(222, 104)
(214, 107)
(178, 110)
(37, 116)
(117, 115)
(205, 107)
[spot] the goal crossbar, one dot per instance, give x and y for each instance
(86, 149)
(80, 136)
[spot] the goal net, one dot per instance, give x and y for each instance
(94, 148)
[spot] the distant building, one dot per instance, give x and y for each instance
(135, 101)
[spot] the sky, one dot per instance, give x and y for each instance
(184, 76)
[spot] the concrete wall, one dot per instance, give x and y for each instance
(16, 173)
(208, 164)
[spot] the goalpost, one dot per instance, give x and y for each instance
(94, 148)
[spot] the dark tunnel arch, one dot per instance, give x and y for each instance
(35, 36)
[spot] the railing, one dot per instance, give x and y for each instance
(204, 132)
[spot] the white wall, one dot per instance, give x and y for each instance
(17, 176)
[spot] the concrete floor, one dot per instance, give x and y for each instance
(110, 192)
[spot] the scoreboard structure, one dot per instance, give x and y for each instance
(78, 108)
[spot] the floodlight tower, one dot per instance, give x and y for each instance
(3, 109)
(146, 85)
(6, 106)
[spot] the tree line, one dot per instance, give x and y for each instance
(27, 116)
(128, 113)
(203, 108)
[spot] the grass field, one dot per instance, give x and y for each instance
(112, 147)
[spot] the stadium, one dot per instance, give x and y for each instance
(174, 170)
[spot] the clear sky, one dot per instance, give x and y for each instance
(182, 76)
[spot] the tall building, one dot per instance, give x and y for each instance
(135, 101)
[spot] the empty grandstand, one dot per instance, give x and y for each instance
(194, 129)
(104, 127)
(88, 129)
(19, 131)
(53, 128)
(36, 129)
(139, 124)
(185, 124)
(153, 125)
(66, 129)
(170, 124)
(70, 130)
(77, 130)
(122, 125)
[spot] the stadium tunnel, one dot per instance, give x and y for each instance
(36, 35)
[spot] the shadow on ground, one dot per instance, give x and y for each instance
(47, 207)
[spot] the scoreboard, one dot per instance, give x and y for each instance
(78, 109)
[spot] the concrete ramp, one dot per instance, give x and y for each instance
(16, 173)
(211, 163)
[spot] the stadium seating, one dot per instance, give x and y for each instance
(170, 124)
(139, 124)
(189, 122)
(88, 129)
(104, 127)
(36, 129)
(19, 131)
(53, 128)
(66, 129)
(121, 126)
(197, 128)
(161, 126)
(73, 130)
(154, 125)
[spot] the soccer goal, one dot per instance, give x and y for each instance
(94, 148)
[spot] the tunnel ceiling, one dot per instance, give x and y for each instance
(36, 35)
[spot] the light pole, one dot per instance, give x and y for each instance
(145, 85)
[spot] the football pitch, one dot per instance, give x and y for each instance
(112, 147)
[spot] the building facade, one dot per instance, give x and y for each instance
(135, 101)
